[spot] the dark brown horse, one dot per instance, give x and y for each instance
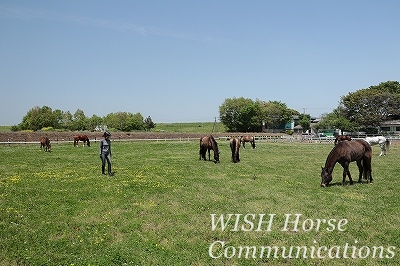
(45, 143)
(208, 143)
(341, 138)
(344, 153)
(244, 139)
(234, 143)
(83, 138)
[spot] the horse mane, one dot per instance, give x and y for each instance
(214, 143)
(328, 158)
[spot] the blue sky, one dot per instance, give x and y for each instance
(177, 61)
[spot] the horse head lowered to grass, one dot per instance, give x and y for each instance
(344, 153)
(383, 142)
(247, 138)
(82, 138)
(208, 143)
(45, 143)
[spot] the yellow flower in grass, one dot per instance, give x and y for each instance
(10, 180)
(14, 178)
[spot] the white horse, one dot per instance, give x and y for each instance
(381, 140)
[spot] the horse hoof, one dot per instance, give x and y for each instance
(323, 185)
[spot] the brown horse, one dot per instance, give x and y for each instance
(45, 143)
(208, 143)
(83, 138)
(234, 143)
(341, 138)
(344, 153)
(244, 139)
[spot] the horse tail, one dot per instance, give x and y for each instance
(367, 165)
(367, 171)
(234, 148)
(364, 168)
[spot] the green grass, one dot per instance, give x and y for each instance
(57, 209)
(195, 127)
(5, 128)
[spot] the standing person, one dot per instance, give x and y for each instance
(105, 153)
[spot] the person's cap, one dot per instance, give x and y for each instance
(106, 134)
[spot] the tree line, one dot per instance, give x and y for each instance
(39, 118)
(362, 110)
(245, 115)
(365, 109)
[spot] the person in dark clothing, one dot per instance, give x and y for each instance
(105, 153)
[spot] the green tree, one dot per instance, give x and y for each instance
(274, 114)
(38, 118)
(369, 107)
(67, 120)
(148, 124)
(305, 121)
(137, 122)
(94, 121)
(240, 114)
(80, 121)
(124, 121)
(336, 120)
(58, 118)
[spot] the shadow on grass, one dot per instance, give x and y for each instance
(347, 183)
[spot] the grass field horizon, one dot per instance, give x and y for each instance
(57, 209)
(186, 127)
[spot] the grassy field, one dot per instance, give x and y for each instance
(195, 127)
(57, 209)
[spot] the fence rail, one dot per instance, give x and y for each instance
(262, 138)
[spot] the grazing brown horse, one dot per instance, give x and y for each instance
(344, 153)
(244, 139)
(234, 143)
(341, 138)
(45, 143)
(83, 138)
(208, 143)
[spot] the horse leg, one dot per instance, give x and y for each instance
(360, 171)
(346, 171)
(381, 146)
(209, 155)
(202, 153)
(369, 170)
